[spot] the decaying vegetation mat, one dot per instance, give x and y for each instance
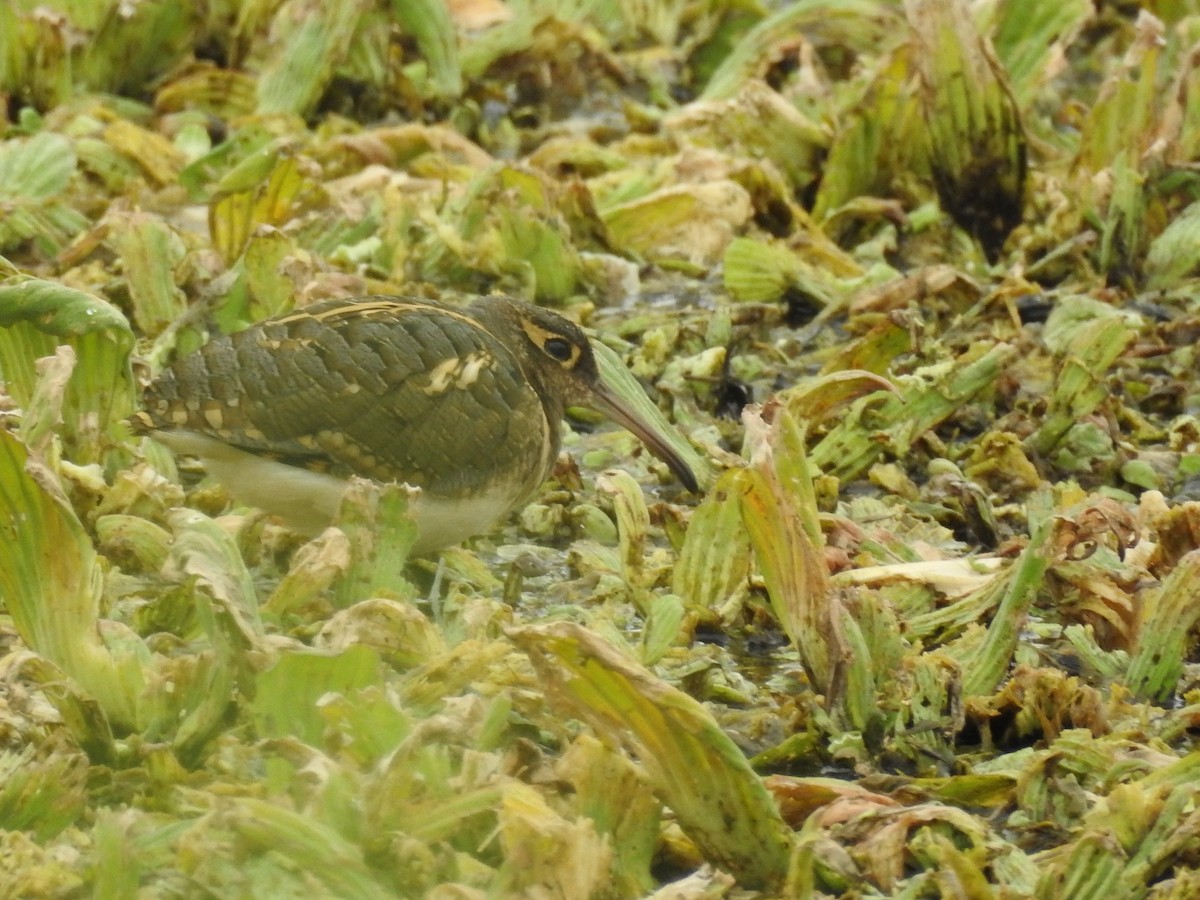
(929, 631)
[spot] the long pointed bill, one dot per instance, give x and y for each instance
(604, 399)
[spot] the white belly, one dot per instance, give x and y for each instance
(308, 501)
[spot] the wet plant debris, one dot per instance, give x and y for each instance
(913, 286)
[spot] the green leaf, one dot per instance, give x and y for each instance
(1088, 337)
(51, 583)
(861, 23)
(307, 41)
(287, 694)
(134, 45)
(150, 254)
(984, 665)
(35, 169)
(1174, 255)
(697, 770)
(975, 139)
(1030, 35)
(663, 625)
(856, 442)
(760, 272)
(381, 532)
(34, 172)
(262, 189)
(41, 793)
(706, 579)
(35, 317)
(304, 852)
(1165, 618)
(779, 512)
(202, 550)
(430, 24)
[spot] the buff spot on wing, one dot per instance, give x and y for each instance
(457, 372)
(441, 376)
(475, 363)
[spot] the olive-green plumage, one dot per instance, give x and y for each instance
(464, 403)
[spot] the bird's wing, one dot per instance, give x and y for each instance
(385, 389)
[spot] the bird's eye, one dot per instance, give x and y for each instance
(558, 348)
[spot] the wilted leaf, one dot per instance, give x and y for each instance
(41, 795)
(263, 189)
(862, 21)
(976, 141)
(854, 444)
(203, 551)
(219, 92)
(697, 770)
(615, 794)
(690, 222)
(51, 583)
(779, 511)
(1090, 340)
(546, 852)
(35, 316)
(381, 532)
(756, 121)
(397, 631)
(1173, 255)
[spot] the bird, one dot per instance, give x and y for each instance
(465, 403)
